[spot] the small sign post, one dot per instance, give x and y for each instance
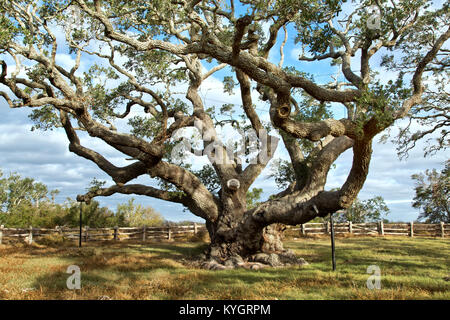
(81, 223)
(333, 249)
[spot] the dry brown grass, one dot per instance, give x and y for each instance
(411, 269)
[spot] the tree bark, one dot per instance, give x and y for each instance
(248, 246)
(238, 240)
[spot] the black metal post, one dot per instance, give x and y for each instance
(333, 251)
(81, 223)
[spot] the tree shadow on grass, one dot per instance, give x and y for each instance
(181, 249)
(102, 269)
(154, 271)
(366, 247)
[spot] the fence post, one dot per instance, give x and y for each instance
(442, 231)
(169, 234)
(327, 227)
(302, 229)
(144, 231)
(350, 227)
(86, 234)
(381, 228)
(1, 233)
(411, 229)
(116, 232)
(58, 230)
(30, 236)
(195, 228)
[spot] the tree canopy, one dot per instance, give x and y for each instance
(148, 60)
(361, 211)
(433, 195)
(16, 191)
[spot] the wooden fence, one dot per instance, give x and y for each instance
(102, 234)
(410, 229)
(181, 232)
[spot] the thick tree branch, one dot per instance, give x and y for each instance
(418, 87)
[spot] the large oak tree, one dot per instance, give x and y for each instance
(145, 52)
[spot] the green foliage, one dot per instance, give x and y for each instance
(430, 114)
(227, 108)
(377, 101)
(253, 197)
(137, 215)
(209, 178)
(311, 23)
(15, 190)
(371, 210)
(154, 66)
(45, 118)
(8, 31)
(283, 173)
(50, 8)
(96, 184)
(432, 195)
(25, 202)
(228, 84)
(144, 127)
(93, 215)
(102, 100)
(50, 215)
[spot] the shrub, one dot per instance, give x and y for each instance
(51, 240)
(202, 235)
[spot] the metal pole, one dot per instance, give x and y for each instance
(333, 251)
(81, 223)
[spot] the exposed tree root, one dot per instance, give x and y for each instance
(254, 262)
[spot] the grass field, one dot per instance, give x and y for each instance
(410, 269)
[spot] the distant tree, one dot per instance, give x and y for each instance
(16, 190)
(53, 194)
(433, 195)
(282, 172)
(25, 202)
(253, 197)
(39, 192)
(3, 188)
(370, 210)
(94, 215)
(137, 215)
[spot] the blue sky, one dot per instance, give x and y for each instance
(45, 155)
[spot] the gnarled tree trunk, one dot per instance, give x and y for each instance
(238, 240)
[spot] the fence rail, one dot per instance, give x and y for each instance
(102, 234)
(178, 232)
(411, 229)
